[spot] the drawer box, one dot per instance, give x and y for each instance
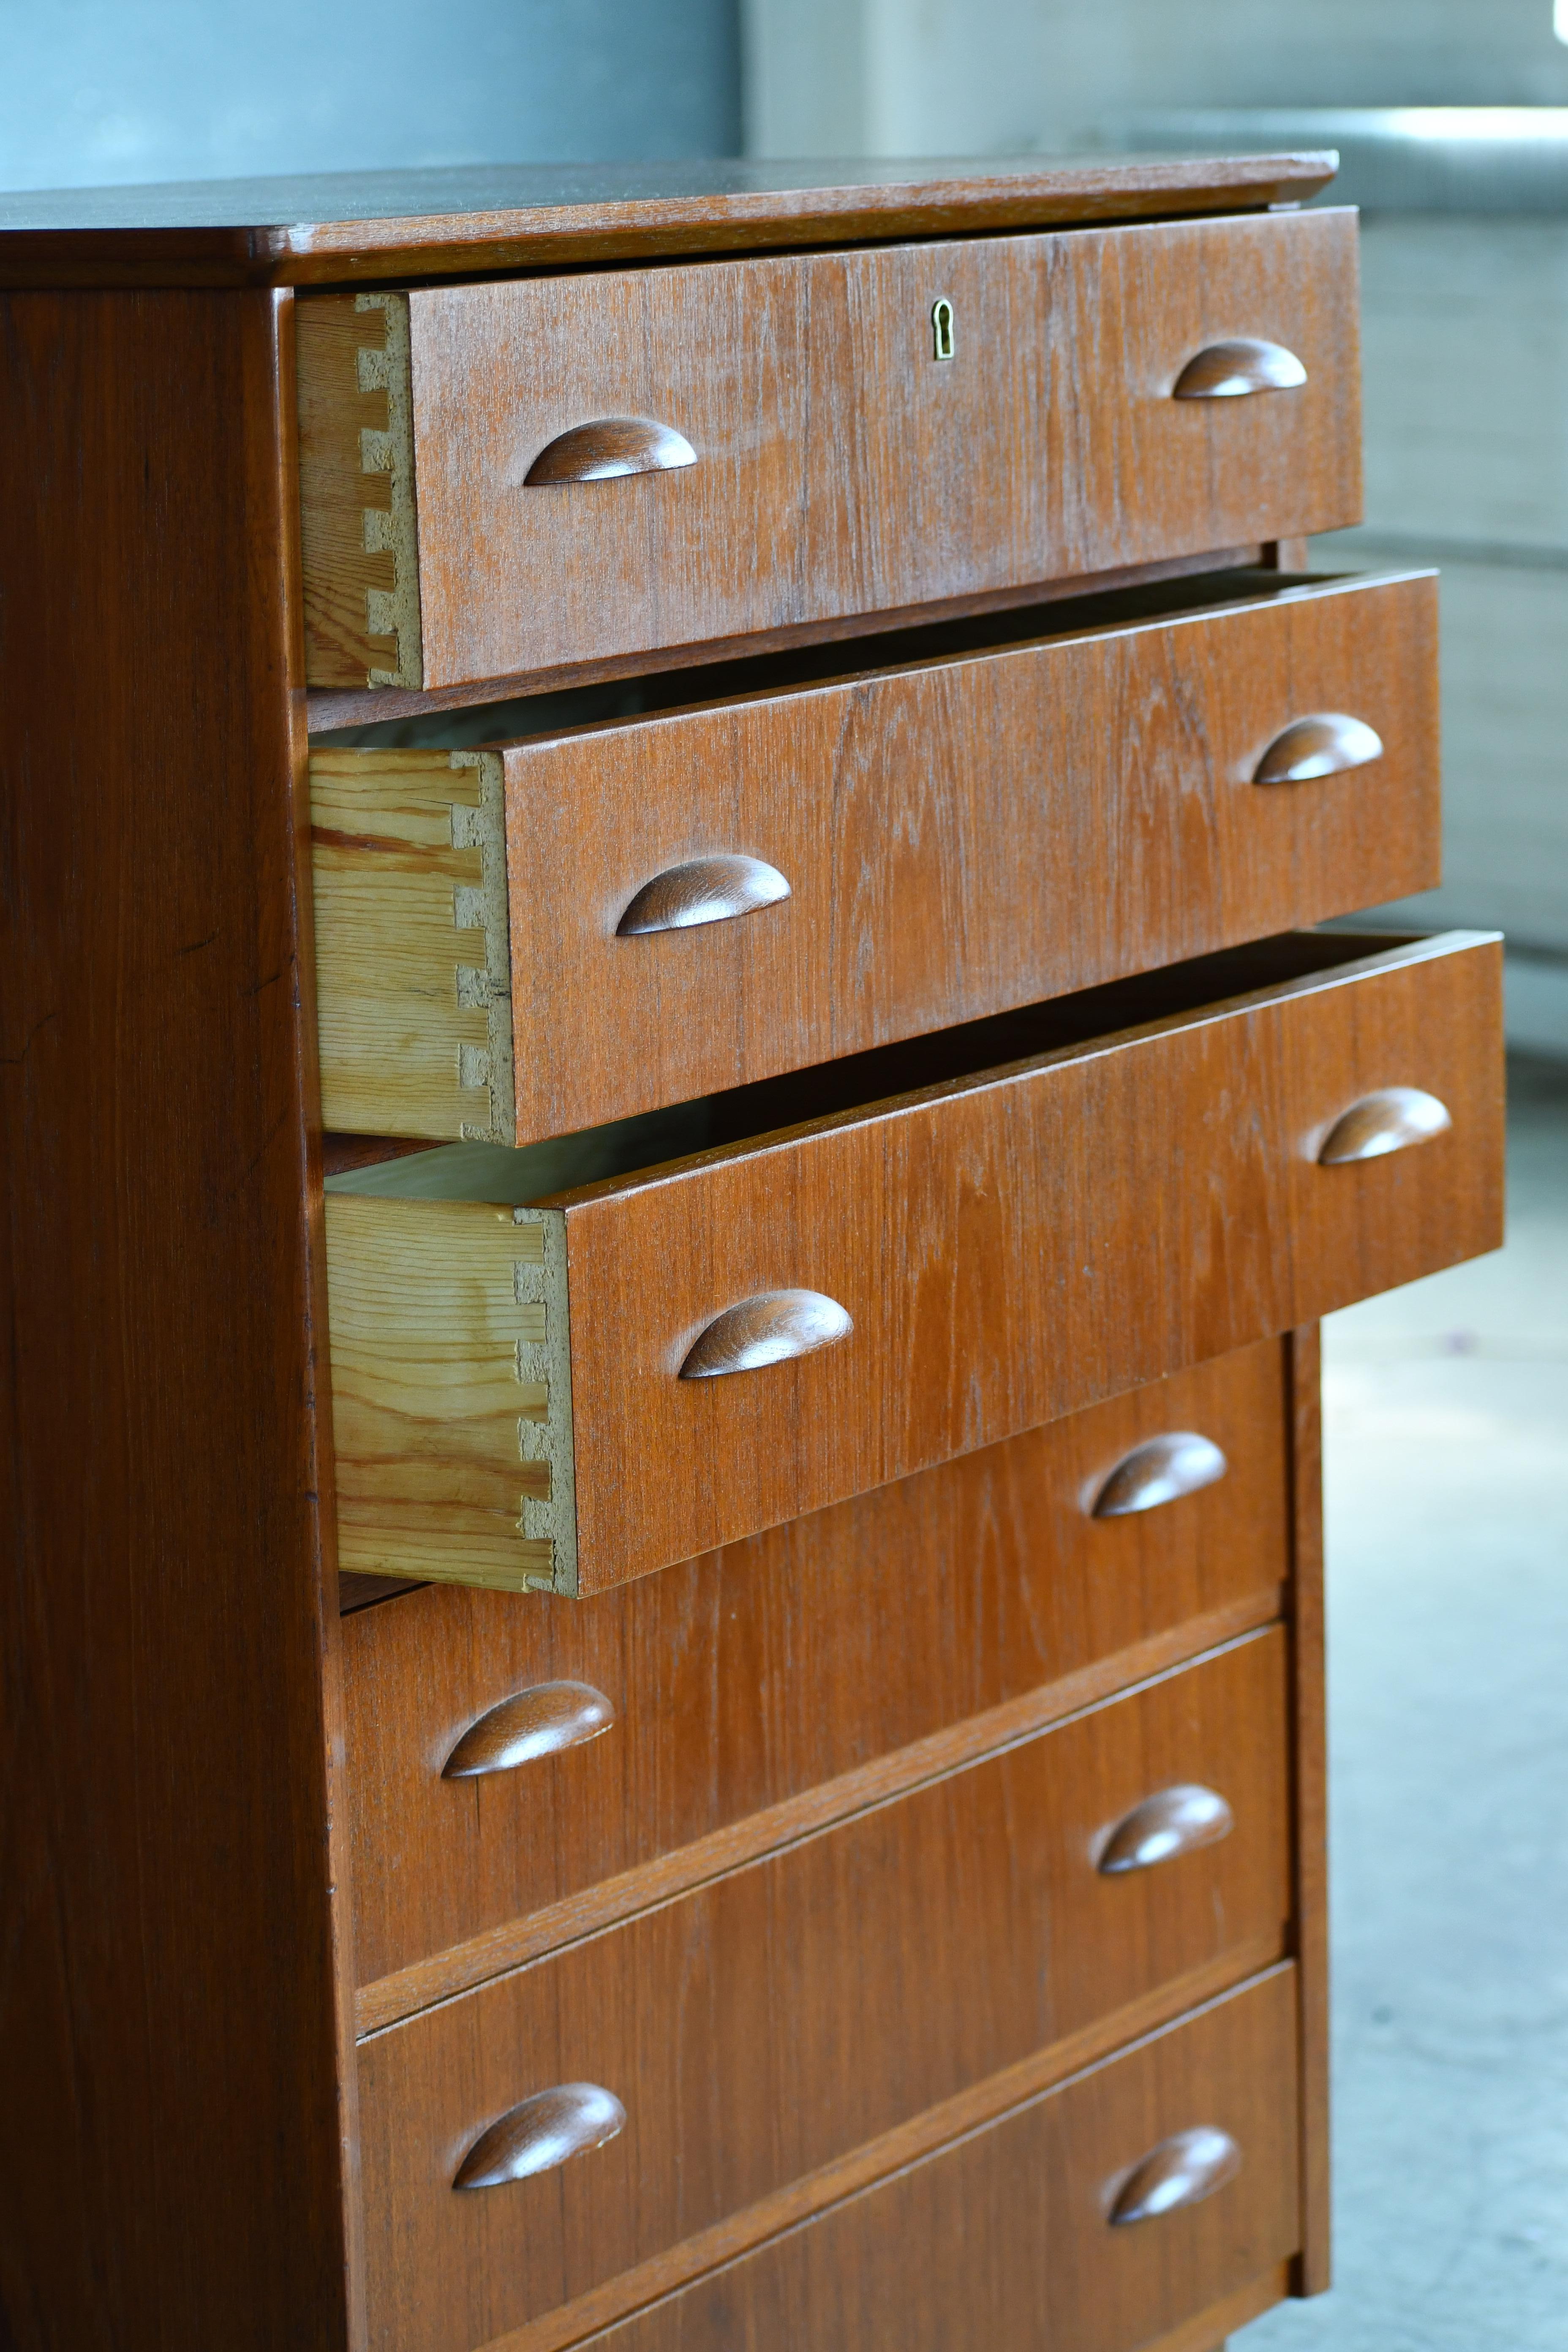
(801, 1661)
(786, 2014)
(1136, 1187)
(1002, 2241)
(805, 456)
(956, 837)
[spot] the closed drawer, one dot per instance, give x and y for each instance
(511, 479)
(504, 1757)
(571, 930)
(574, 1395)
(785, 2015)
(1004, 2241)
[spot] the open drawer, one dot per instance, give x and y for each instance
(889, 1260)
(529, 941)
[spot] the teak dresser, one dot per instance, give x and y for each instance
(676, 1117)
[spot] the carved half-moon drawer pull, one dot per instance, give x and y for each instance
(1177, 1462)
(1325, 744)
(707, 890)
(1179, 2171)
(766, 1330)
(1389, 1120)
(1170, 1822)
(609, 447)
(570, 2120)
(1227, 370)
(532, 1723)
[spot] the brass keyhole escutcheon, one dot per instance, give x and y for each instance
(941, 327)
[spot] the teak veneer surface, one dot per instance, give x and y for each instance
(362, 226)
(984, 832)
(1012, 1244)
(796, 2008)
(172, 2165)
(1001, 2240)
(757, 1675)
(839, 467)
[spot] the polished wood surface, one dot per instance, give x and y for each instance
(988, 1236)
(840, 469)
(956, 838)
(824, 1995)
(1001, 2239)
(767, 1673)
(174, 2173)
(363, 226)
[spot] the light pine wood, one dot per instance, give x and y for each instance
(356, 487)
(451, 1391)
(413, 969)
(989, 1236)
(839, 469)
(1313, 2267)
(1080, 807)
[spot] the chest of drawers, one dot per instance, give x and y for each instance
(676, 1126)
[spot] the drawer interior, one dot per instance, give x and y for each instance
(540, 1171)
(617, 700)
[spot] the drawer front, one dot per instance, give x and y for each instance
(944, 843)
(1003, 2241)
(1005, 1249)
(786, 2014)
(828, 463)
(811, 1655)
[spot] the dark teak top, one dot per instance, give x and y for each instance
(360, 226)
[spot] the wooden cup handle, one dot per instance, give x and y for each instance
(1170, 1822)
(1161, 1469)
(704, 891)
(767, 1329)
(1389, 1120)
(1181, 2171)
(1324, 744)
(609, 447)
(572, 2119)
(1231, 370)
(540, 1721)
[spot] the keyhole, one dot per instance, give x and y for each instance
(941, 327)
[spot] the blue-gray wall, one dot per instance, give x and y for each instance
(100, 92)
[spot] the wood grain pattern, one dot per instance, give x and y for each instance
(1013, 1247)
(1312, 2271)
(359, 540)
(412, 968)
(958, 839)
(757, 1674)
(1010, 1243)
(358, 226)
(169, 1665)
(451, 1393)
(820, 2000)
(840, 470)
(1000, 2239)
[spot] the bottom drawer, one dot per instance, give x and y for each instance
(1005, 2241)
(1031, 1910)
(1025, 2235)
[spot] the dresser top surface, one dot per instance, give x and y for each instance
(357, 228)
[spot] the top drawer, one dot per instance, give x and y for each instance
(819, 458)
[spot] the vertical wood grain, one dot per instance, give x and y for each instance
(173, 2169)
(1313, 2269)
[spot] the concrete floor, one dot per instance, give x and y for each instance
(1447, 1468)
